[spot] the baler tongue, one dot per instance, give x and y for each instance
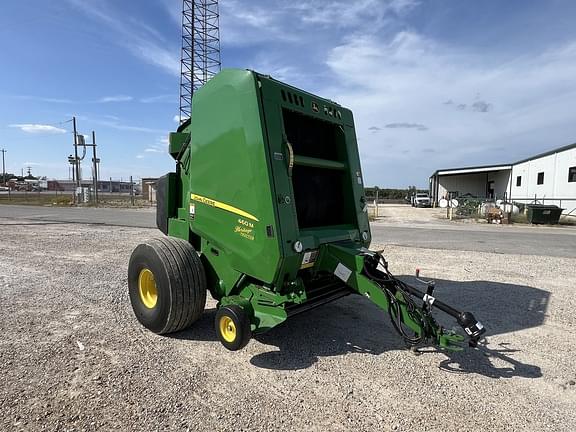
(366, 272)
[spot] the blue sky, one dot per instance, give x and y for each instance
(433, 84)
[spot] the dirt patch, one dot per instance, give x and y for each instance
(406, 214)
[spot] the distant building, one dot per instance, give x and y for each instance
(105, 186)
(25, 183)
(148, 186)
(549, 178)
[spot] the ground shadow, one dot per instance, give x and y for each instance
(354, 325)
(501, 307)
(201, 330)
(469, 362)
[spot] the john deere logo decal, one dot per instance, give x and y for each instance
(315, 107)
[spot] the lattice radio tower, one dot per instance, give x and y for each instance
(200, 58)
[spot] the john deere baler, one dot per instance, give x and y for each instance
(266, 210)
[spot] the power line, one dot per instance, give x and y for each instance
(59, 123)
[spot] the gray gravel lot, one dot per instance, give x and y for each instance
(73, 357)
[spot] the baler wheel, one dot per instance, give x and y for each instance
(233, 327)
(167, 284)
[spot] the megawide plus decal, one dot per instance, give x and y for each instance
(227, 207)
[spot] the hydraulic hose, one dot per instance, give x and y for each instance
(473, 328)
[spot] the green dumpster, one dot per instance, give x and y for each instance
(543, 214)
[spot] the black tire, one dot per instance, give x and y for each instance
(178, 280)
(241, 324)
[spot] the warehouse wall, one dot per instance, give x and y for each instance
(555, 168)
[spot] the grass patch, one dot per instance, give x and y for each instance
(519, 218)
(60, 200)
(36, 199)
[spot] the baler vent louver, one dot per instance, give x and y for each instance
(292, 98)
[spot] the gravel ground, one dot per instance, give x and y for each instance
(73, 357)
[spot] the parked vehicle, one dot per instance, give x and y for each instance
(421, 200)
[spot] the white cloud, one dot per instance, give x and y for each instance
(346, 14)
(176, 118)
(478, 109)
(246, 24)
(44, 99)
(166, 98)
(302, 22)
(140, 156)
(139, 38)
(149, 51)
(114, 123)
(34, 128)
(161, 146)
(118, 98)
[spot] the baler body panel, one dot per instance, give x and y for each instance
(268, 188)
(231, 193)
(269, 166)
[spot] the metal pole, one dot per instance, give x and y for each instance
(131, 191)
(76, 162)
(3, 168)
(95, 175)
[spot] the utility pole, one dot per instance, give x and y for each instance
(131, 191)
(76, 161)
(376, 201)
(95, 162)
(3, 168)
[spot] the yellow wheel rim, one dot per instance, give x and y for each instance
(147, 288)
(227, 329)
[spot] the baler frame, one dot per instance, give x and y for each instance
(250, 195)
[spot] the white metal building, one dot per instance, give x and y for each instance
(548, 178)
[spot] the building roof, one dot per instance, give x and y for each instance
(470, 170)
(487, 168)
(548, 153)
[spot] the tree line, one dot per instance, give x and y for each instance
(391, 193)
